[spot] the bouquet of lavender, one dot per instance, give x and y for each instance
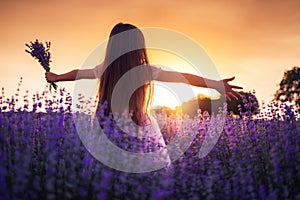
(42, 54)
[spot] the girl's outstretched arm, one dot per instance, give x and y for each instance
(73, 75)
(222, 86)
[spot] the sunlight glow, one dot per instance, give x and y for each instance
(165, 97)
(163, 92)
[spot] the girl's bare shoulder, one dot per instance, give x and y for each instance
(155, 71)
(98, 69)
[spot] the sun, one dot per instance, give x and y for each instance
(164, 96)
(174, 94)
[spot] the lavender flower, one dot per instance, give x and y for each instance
(42, 157)
(42, 54)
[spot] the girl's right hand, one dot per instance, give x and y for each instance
(229, 89)
(51, 77)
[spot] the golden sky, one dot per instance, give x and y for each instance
(254, 40)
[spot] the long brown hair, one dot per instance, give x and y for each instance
(125, 51)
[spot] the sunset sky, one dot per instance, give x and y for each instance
(253, 40)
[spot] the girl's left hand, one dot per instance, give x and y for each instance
(51, 77)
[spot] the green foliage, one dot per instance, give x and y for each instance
(247, 104)
(201, 102)
(289, 87)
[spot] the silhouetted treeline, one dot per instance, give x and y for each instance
(289, 87)
(246, 104)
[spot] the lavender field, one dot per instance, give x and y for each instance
(42, 157)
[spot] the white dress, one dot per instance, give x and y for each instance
(146, 139)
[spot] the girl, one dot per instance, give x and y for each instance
(126, 52)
